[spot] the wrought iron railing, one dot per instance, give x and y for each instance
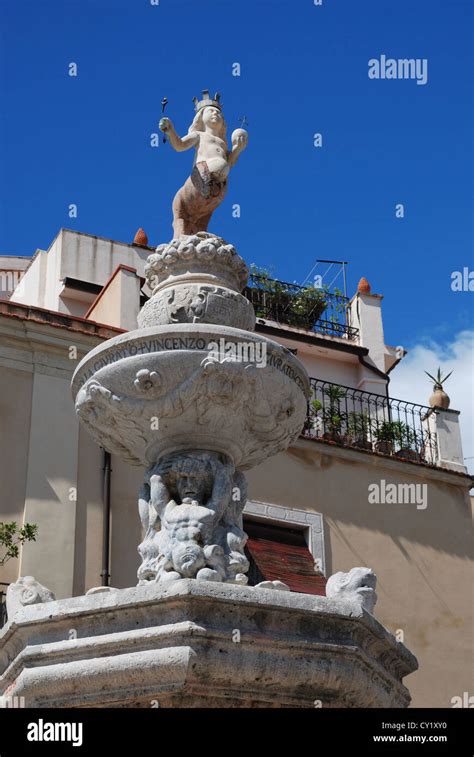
(3, 603)
(308, 308)
(364, 420)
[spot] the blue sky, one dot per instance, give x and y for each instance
(304, 69)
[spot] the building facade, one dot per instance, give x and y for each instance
(372, 481)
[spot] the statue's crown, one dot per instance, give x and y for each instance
(207, 100)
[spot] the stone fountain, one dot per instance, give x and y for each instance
(196, 397)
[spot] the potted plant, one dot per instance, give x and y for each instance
(394, 433)
(439, 398)
(305, 307)
(332, 414)
(286, 303)
(386, 434)
(359, 427)
(408, 442)
(315, 421)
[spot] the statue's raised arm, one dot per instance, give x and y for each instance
(205, 189)
(179, 144)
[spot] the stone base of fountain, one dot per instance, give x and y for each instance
(194, 643)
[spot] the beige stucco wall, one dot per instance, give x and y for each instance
(51, 482)
(118, 304)
(89, 515)
(78, 256)
(423, 558)
(15, 410)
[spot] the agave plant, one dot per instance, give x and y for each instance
(439, 379)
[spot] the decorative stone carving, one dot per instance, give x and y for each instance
(205, 189)
(198, 303)
(203, 254)
(275, 585)
(359, 584)
(150, 393)
(197, 279)
(26, 591)
(191, 509)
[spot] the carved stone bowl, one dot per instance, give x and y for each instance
(163, 389)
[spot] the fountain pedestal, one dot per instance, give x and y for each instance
(191, 643)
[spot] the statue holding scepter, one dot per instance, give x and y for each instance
(205, 189)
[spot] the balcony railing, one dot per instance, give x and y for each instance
(311, 309)
(3, 603)
(353, 418)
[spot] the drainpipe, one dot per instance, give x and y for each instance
(107, 471)
(382, 375)
(377, 371)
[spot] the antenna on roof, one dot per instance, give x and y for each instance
(342, 270)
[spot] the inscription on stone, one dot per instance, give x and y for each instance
(175, 343)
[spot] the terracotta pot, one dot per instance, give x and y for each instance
(408, 454)
(385, 447)
(347, 440)
(332, 436)
(439, 398)
(362, 444)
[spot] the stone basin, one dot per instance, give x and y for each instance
(171, 388)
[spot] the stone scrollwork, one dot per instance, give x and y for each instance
(198, 303)
(358, 584)
(24, 592)
(190, 507)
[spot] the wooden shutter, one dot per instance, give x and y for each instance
(281, 553)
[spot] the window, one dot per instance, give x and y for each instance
(285, 545)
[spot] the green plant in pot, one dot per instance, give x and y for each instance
(409, 442)
(332, 414)
(306, 307)
(287, 303)
(389, 434)
(439, 398)
(262, 285)
(359, 427)
(314, 421)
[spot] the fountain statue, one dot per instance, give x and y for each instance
(205, 189)
(194, 394)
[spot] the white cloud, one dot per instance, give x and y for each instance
(409, 382)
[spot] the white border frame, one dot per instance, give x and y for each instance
(292, 517)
